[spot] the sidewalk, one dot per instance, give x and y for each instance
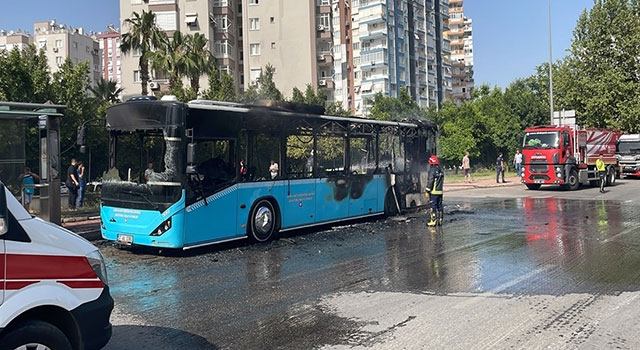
(481, 183)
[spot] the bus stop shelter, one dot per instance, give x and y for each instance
(15, 117)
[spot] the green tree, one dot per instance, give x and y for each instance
(169, 57)
(394, 108)
(605, 51)
(221, 87)
(142, 37)
(24, 75)
(267, 87)
(198, 59)
(106, 91)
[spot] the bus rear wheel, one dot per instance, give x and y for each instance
(262, 221)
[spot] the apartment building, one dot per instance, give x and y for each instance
(109, 43)
(14, 39)
(60, 42)
(461, 39)
(383, 45)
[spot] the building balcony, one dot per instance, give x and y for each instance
(326, 83)
(373, 18)
(325, 58)
(372, 35)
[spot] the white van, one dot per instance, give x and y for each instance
(54, 291)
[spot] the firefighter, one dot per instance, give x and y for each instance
(602, 171)
(435, 183)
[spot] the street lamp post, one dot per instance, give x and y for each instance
(550, 68)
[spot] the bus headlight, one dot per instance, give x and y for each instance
(162, 228)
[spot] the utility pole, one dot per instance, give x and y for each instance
(550, 68)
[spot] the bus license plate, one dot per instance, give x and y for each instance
(539, 181)
(126, 239)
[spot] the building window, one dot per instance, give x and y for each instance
(59, 60)
(325, 20)
(136, 76)
(222, 24)
(42, 44)
(254, 75)
(253, 2)
(166, 20)
(221, 48)
(273, 44)
(254, 23)
(325, 2)
(58, 43)
(220, 3)
(272, 20)
(75, 45)
(136, 2)
(356, 45)
(254, 49)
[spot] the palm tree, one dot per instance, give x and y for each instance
(170, 57)
(106, 91)
(143, 35)
(198, 59)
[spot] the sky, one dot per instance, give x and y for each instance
(510, 37)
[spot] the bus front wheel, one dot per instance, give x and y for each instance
(262, 221)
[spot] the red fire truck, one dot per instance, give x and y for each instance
(544, 156)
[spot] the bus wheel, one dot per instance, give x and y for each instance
(533, 186)
(35, 335)
(574, 184)
(262, 221)
(611, 177)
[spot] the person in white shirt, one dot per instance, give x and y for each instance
(273, 169)
(517, 162)
(148, 171)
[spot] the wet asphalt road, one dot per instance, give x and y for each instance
(510, 268)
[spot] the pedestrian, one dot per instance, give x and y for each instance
(466, 167)
(569, 164)
(500, 168)
(243, 171)
(28, 179)
(148, 172)
(517, 163)
(82, 184)
(273, 169)
(602, 171)
(72, 184)
(435, 184)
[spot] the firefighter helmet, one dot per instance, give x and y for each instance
(433, 160)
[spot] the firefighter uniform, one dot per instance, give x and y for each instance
(435, 183)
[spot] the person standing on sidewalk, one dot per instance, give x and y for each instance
(466, 167)
(28, 179)
(82, 184)
(72, 184)
(602, 171)
(500, 168)
(435, 184)
(517, 162)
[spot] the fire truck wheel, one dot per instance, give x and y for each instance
(35, 335)
(574, 184)
(533, 186)
(611, 177)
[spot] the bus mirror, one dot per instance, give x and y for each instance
(191, 170)
(4, 217)
(191, 153)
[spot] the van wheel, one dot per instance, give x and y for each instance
(262, 221)
(35, 335)
(533, 186)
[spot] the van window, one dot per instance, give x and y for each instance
(16, 232)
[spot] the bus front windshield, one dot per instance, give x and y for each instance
(541, 139)
(147, 174)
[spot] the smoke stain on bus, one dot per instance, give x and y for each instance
(349, 186)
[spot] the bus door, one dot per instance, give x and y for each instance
(299, 207)
(363, 192)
